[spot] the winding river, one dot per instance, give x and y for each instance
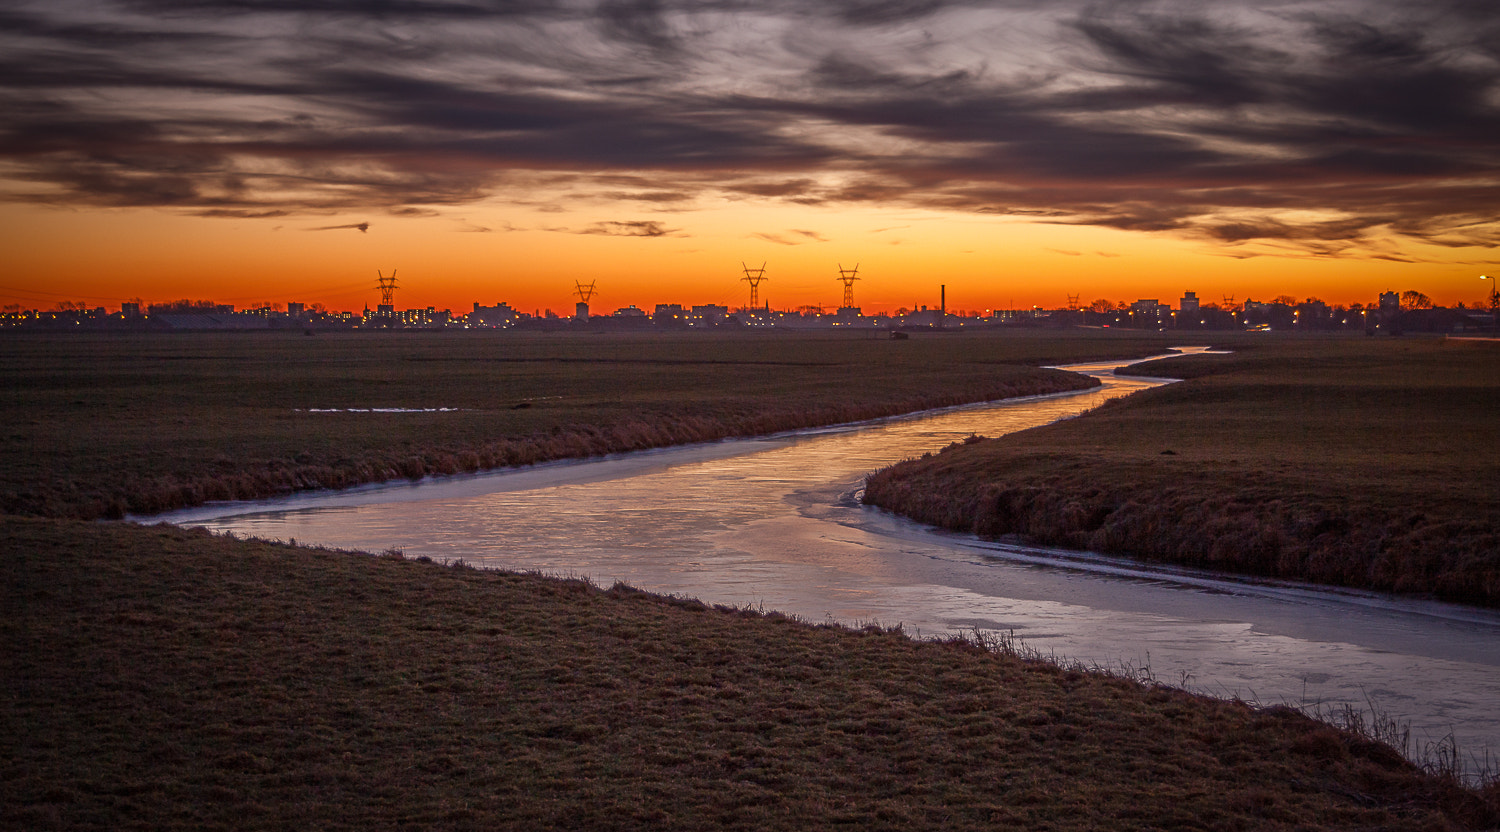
(775, 522)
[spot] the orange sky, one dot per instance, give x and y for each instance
(903, 258)
(1018, 154)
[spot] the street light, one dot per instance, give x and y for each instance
(1494, 301)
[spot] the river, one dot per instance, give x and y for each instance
(776, 523)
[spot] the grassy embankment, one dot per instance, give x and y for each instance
(161, 678)
(1353, 462)
(98, 426)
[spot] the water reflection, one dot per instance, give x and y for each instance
(774, 522)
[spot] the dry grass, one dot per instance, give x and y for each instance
(98, 426)
(1355, 462)
(160, 678)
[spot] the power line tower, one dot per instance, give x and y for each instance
(1072, 303)
(584, 293)
(754, 277)
(387, 292)
(847, 277)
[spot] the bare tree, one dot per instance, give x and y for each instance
(1411, 299)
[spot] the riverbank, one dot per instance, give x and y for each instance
(102, 426)
(165, 678)
(1365, 463)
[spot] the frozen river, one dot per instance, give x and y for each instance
(775, 522)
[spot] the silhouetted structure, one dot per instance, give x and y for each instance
(584, 293)
(755, 277)
(847, 277)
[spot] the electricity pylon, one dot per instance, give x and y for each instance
(754, 277)
(847, 277)
(387, 291)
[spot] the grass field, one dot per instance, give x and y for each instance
(1350, 461)
(98, 426)
(160, 678)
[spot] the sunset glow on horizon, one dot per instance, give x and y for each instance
(1017, 153)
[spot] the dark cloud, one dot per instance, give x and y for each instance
(1178, 60)
(241, 213)
(1300, 128)
(359, 226)
(792, 237)
(636, 228)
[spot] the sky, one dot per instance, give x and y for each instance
(1017, 152)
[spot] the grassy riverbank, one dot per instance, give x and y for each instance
(97, 426)
(160, 678)
(1356, 462)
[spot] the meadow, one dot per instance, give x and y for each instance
(1357, 462)
(102, 426)
(164, 678)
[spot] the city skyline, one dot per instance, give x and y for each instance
(1229, 303)
(1016, 152)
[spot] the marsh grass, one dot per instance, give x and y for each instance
(165, 678)
(102, 426)
(1352, 462)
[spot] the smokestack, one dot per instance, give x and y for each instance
(942, 305)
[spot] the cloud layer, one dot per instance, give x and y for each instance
(1324, 128)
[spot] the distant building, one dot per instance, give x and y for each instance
(295, 309)
(499, 315)
(1313, 314)
(708, 314)
(424, 318)
(130, 309)
(1147, 312)
(669, 314)
(1189, 302)
(848, 316)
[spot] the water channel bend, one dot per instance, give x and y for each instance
(775, 522)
